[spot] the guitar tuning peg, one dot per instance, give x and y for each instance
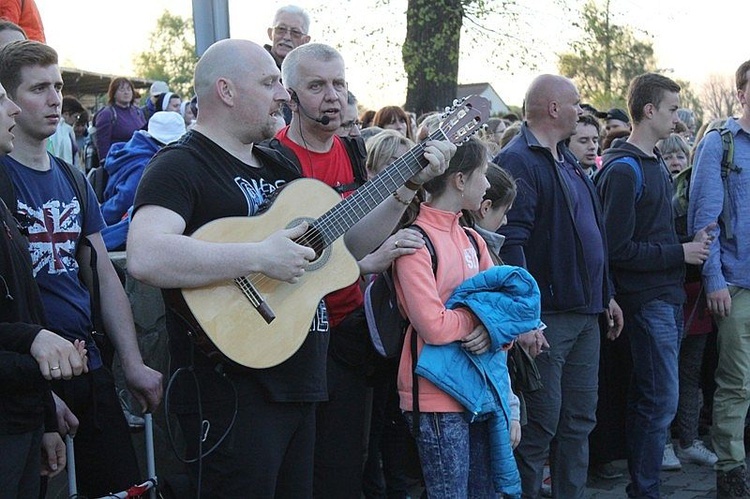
(456, 102)
(447, 109)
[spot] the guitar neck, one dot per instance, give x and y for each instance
(336, 221)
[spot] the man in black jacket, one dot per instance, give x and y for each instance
(648, 268)
(29, 356)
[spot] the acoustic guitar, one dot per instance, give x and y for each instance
(258, 322)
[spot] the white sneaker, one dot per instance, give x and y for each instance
(697, 453)
(669, 461)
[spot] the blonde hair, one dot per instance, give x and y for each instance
(382, 147)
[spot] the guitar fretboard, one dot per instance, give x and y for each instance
(336, 221)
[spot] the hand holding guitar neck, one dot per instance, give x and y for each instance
(438, 153)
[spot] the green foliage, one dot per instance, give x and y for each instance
(605, 58)
(171, 55)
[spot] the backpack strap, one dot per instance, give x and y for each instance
(727, 155)
(636, 166)
(355, 149)
(727, 165)
(413, 347)
(80, 187)
(637, 169)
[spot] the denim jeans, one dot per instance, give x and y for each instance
(655, 330)
(562, 414)
(689, 406)
(455, 456)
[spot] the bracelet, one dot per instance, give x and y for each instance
(412, 186)
(400, 199)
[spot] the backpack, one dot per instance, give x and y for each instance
(385, 322)
(637, 169)
(98, 178)
(681, 197)
(388, 326)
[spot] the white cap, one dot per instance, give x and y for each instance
(166, 126)
(158, 87)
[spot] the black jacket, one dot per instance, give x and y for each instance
(541, 234)
(25, 397)
(645, 253)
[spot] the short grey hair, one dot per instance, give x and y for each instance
(297, 11)
(309, 51)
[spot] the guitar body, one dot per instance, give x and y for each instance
(226, 316)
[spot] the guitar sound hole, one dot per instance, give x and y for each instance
(314, 239)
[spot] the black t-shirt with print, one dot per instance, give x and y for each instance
(201, 182)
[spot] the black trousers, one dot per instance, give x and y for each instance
(20, 465)
(267, 452)
(340, 423)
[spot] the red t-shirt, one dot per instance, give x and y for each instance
(334, 168)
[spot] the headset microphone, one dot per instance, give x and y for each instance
(324, 120)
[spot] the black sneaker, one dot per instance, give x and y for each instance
(732, 484)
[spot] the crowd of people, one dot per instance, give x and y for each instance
(574, 283)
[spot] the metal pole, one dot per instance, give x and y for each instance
(71, 457)
(150, 462)
(210, 23)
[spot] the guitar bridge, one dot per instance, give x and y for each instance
(255, 299)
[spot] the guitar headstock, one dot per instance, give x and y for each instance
(463, 119)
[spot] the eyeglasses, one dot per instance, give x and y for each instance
(347, 125)
(283, 30)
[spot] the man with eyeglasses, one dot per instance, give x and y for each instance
(289, 31)
(350, 124)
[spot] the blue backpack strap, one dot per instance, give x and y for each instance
(636, 166)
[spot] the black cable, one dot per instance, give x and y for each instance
(199, 459)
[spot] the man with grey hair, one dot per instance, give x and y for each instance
(251, 432)
(289, 31)
(315, 78)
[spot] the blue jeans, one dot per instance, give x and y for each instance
(655, 330)
(455, 456)
(562, 413)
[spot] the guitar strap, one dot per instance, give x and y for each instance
(355, 149)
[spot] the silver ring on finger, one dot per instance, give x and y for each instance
(396, 244)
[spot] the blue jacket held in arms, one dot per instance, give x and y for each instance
(507, 301)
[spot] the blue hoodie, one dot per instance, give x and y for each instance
(125, 164)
